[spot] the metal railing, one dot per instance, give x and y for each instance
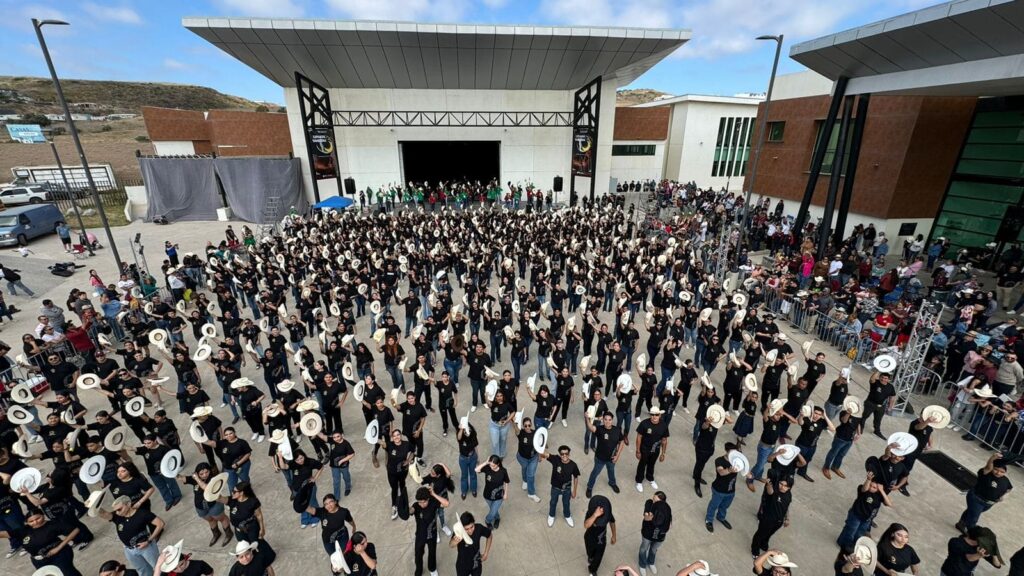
(998, 427)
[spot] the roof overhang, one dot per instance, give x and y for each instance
(364, 54)
(959, 48)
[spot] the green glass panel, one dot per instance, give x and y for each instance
(991, 168)
(972, 223)
(995, 135)
(975, 207)
(1011, 152)
(1005, 118)
(983, 191)
(962, 237)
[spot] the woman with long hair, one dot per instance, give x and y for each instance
(399, 455)
(393, 354)
(245, 512)
(895, 554)
(211, 512)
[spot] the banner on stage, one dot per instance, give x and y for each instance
(325, 161)
(583, 151)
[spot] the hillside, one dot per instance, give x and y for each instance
(23, 95)
(637, 96)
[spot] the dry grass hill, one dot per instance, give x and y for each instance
(637, 96)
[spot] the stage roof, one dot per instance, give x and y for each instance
(364, 54)
(964, 47)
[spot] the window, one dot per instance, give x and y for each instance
(732, 148)
(633, 149)
(833, 145)
(776, 131)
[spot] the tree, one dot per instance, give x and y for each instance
(281, 109)
(35, 119)
(262, 108)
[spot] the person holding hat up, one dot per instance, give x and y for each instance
(964, 552)
(773, 563)
(253, 558)
(991, 487)
(470, 560)
(50, 543)
(871, 496)
(881, 395)
(211, 512)
(807, 441)
(172, 562)
(657, 520)
(599, 518)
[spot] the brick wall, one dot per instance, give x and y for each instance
(641, 123)
(226, 132)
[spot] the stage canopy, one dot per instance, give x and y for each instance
(366, 54)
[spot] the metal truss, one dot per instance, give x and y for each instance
(380, 119)
(911, 359)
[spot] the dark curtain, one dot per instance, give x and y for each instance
(180, 188)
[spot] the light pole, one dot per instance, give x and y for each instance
(74, 135)
(760, 139)
(71, 195)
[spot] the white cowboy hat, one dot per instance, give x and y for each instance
(705, 314)
(27, 478)
(375, 307)
(88, 381)
(656, 411)
(379, 334)
(92, 469)
(358, 391)
(984, 392)
(197, 433)
(159, 337)
(518, 418)
(285, 385)
(641, 362)
(338, 563)
(282, 311)
(200, 411)
(348, 372)
(372, 434)
(95, 501)
(790, 452)
(202, 353)
(172, 556)
(265, 324)
(793, 368)
(217, 487)
(361, 289)
(781, 560)
(491, 390)
(884, 363)
(335, 309)
(540, 440)
(776, 406)
(581, 290)
(272, 410)
(242, 382)
(172, 463)
(807, 346)
(209, 330)
(311, 424)
(148, 308)
(937, 417)
(460, 531)
(585, 362)
(20, 447)
(515, 307)
(464, 423)
(114, 440)
(241, 547)
(807, 409)
(48, 571)
(18, 415)
(135, 406)
(307, 405)
(22, 394)
(278, 436)
(706, 380)
(624, 383)
(738, 460)
(865, 554)
(739, 299)
(750, 383)
(905, 443)
(180, 306)
(772, 355)
(853, 405)
(716, 415)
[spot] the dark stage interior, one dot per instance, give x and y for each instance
(435, 160)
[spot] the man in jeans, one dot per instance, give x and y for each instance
(14, 281)
(606, 454)
(565, 479)
(769, 437)
(655, 526)
(847, 432)
(723, 490)
(153, 453)
(880, 395)
(991, 487)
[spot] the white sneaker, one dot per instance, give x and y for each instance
(639, 487)
(254, 435)
(564, 423)
(473, 409)
(654, 485)
(637, 419)
(394, 512)
(643, 572)
(654, 569)
(261, 439)
(35, 439)
(534, 497)
(302, 526)
(447, 531)
(222, 405)
(685, 409)
(434, 573)
(524, 485)
(568, 520)
(551, 521)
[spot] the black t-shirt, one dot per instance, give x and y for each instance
(657, 527)
(411, 416)
(469, 560)
(356, 563)
(152, 457)
(231, 452)
(135, 529)
(597, 532)
(339, 452)
(500, 411)
(468, 442)
(879, 393)
(867, 503)
(770, 432)
(837, 393)
(134, 488)
(242, 513)
(896, 559)
(774, 507)
(990, 488)
(494, 482)
(724, 483)
(545, 406)
(956, 563)
(426, 519)
(810, 431)
(397, 455)
(45, 538)
(562, 473)
(607, 441)
(303, 472)
(526, 449)
(333, 525)
(197, 568)
(262, 558)
(652, 434)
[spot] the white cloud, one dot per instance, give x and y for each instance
(267, 8)
(173, 64)
(120, 14)
(404, 10)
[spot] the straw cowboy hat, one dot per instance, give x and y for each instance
(311, 424)
(172, 463)
(865, 554)
(936, 416)
(217, 487)
(135, 406)
(172, 556)
(285, 385)
(242, 382)
(716, 415)
(88, 381)
(22, 394)
(853, 405)
(750, 383)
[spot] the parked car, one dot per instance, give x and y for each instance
(19, 195)
(20, 224)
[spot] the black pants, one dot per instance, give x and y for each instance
(431, 545)
(645, 467)
(767, 396)
(563, 407)
(332, 421)
(424, 390)
(417, 441)
(448, 415)
(595, 553)
(733, 397)
(646, 395)
(254, 418)
(398, 490)
(877, 411)
(765, 530)
(684, 397)
(700, 462)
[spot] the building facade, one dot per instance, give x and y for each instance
(176, 132)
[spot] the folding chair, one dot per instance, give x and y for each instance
(79, 252)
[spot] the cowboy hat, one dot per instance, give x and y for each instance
(789, 453)
(379, 334)
(738, 461)
(865, 554)
(285, 385)
(196, 431)
(27, 478)
(853, 405)
(172, 463)
(159, 337)
(375, 307)
(50, 570)
(200, 411)
(209, 330)
(348, 372)
(656, 411)
(460, 530)
(937, 417)
(135, 407)
(984, 392)
(95, 501)
(781, 560)
(624, 383)
(884, 363)
(88, 381)
(372, 433)
(241, 547)
(705, 314)
(807, 346)
(18, 415)
(807, 409)
(581, 290)
(776, 406)
(750, 383)
(585, 362)
(739, 299)
(172, 556)
(338, 563)
(335, 309)
(772, 355)
(242, 382)
(905, 443)
(641, 362)
(202, 353)
(114, 440)
(22, 394)
(716, 415)
(265, 324)
(92, 469)
(540, 440)
(307, 405)
(20, 447)
(278, 436)
(358, 391)
(491, 390)
(217, 487)
(706, 380)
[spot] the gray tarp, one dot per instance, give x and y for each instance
(249, 183)
(180, 188)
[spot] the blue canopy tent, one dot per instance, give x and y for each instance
(334, 202)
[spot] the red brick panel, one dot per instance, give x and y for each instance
(642, 123)
(249, 133)
(171, 124)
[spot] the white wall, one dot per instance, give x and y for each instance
(626, 168)
(800, 85)
(173, 147)
(692, 137)
(371, 155)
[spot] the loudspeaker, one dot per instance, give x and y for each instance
(1011, 226)
(350, 186)
(558, 184)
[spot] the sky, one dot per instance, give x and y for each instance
(143, 40)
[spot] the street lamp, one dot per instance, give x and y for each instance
(760, 138)
(71, 195)
(38, 24)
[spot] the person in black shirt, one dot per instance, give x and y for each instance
(609, 443)
(425, 510)
(723, 490)
(880, 395)
(565, 476)
(527, 456)
(51, 543)
(773, 513)
(253, 558)
(837, 393)
(870, 497)
(139, 531)
(333, 520)
(234, 454)
(399, 456)
(414, 418)
(211, 512)
(966, 551)
(496, 482)
(340, 455)
(469, 561)
(468, 441)
(991, 487)
(599, 518)
(657, 520)
(651, 446)
(807, 441)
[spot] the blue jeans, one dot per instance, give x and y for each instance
(397, 380)
(467, 469)
(648, 550)
(493, 510)
(719, 505)
(854, 528)
(529, 468)
(763, 452)
(13, 522)
(477, 391)
(143, 561)
(499, 438)
(598, 466)
(239, 475)
(168, 488)
(337, 474)
(565, 495)
(453, 368)
(834, 458)
(543, 371)
(975, 507)
(307, 519)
